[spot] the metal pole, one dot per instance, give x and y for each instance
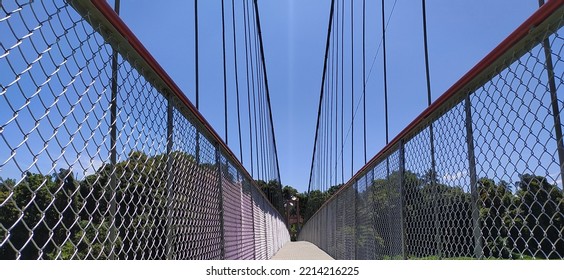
(401, 199)
(554, 102)
(476, 232)
(220, 186)
(113, 145)
(253, 219)
(169, 180)
(385, 69)
(298, 212)
(356, 216)
(197, 74)
(433, 171)
(224, 72)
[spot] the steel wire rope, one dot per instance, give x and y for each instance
(321, 93)
(237, 81)
(249, 83)
(364, 74)
(258, 99)
(272, 132)
(352, 88)
(369, 73)
(225, 107)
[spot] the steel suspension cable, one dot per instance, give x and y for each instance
(237, 82)
(254, 94)
(431, 136)
(352, 88)
(335, 61)
(368, 76)
(267, 90)
(364, 74)
(196, 55)
(249, 83)
(342, 90)
(321, 93)
(224, 70)
(385, 69)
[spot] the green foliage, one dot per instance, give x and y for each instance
(44, 203)
(273, 191)
(57, 217)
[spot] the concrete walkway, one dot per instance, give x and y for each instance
(301, 250)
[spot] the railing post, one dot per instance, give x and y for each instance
(220, 185)
(354, 188)
(436, 195)
(401, 199)
(265, 233)
(476, 232)
(253, 219)
(113, 146)
(554, 102)
(169, 179)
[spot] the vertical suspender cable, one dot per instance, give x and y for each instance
(427, 74)
(197, 74)
(330, 113)
(321, 93)
(267, 90)
(431, 137)
(352, 88)
(342, 91)
(385, 69)
(334, 56)
(237, 81)
(246, 25)
(224, 70)
(364, 73)
(196, 55)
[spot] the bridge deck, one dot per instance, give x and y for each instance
(301, 250)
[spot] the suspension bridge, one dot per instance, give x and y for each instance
(104, 156)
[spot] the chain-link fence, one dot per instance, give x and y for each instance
(477, 175)
(102, 156)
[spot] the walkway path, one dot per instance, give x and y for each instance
(301, 250)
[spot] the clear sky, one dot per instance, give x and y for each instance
(294, 34)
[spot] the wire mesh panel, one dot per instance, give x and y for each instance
(195, 205)
(349, 226)
(479, 173)
(101, 156)
(519, 174)
(269, 234)
(247, 223)
(232, 226)
(340, 217)
(365, 233)
(259, 226)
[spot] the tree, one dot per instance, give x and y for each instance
(313, 202)
(538, 218)
(40, 203)
(495, 204)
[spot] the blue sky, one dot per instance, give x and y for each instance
(294, 33)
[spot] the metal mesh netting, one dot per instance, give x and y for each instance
(99, 160)
(480, 178)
